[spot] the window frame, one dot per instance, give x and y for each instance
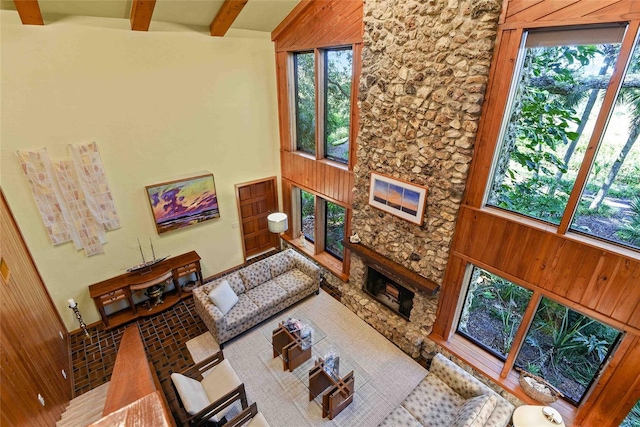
(621, 65)
(509, 360)
(296, 109)
(317, 248)
(325, 73)
(326, 229)
(320, 105)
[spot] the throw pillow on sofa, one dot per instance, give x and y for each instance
(475, 411)
(256, 274)
(281, 263)
(223, 297)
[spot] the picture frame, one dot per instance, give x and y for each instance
(183, 202)
(400, 198)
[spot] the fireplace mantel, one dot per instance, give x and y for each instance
(393, 270)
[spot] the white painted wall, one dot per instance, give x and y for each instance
(167, 104)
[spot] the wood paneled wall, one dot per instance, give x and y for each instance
(334, 182)
(594, 279)
(584, 277)
(320, 24)
(33, 352)
(530, 13)
(313, 25)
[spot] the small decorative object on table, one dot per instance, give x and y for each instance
(146, 264)
(552, 415)
(537, 388)
(189, 286)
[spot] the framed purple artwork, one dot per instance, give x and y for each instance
(177, 204)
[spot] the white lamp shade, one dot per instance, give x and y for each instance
(278, 222)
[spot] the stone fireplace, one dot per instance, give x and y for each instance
(395, 300)
(425, 66)
(391, 294)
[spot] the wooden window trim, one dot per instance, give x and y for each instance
(514, 51)
(325, 259)
(537, 290)
(600, 127)
(586, 239)
(315, 249)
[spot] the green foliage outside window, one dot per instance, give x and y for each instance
(334, 229)
(562, 346)
(307, 214)
(305, 102)
(338, 75)
(558, 98)
(633, 419)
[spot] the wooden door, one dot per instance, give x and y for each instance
(256, 200)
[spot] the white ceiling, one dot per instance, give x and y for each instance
(258, 15)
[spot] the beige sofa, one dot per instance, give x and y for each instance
(263, 289)
(450, 396)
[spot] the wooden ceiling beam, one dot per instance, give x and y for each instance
(141, 12)
(29, 11)
(225, 17)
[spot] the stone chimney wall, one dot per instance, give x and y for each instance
(425, 69)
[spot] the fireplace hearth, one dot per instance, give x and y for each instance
(391, 294)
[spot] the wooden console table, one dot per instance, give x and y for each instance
(339, 390)
(290, 347)
(120, 288)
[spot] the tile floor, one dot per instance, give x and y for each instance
(164, 336)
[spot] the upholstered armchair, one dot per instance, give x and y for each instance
(249, 417)
(209, 399)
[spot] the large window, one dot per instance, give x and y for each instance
(337, 107)
(305, 98)
(325, 232)
(333, 87)
(562, 346)
(307, 215)
(334, 229)
(610, 204)
(555, 115)
(633, 419)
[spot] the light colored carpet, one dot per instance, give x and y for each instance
(284, 399)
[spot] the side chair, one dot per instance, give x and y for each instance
(207, 400)
(249, 417)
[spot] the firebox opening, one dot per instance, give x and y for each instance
(391, 294)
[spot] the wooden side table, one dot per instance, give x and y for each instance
(532, 416)
(339, 390)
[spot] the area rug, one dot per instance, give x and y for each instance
(283, 398)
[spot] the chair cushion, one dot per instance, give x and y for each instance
(255, 274)
(258, 421)
(400, 417)
(281, 263)
(475, 411)
(223, 297)
(267, 295)
(293, 282)
(433, 402)
(192, 394)
(242, 312)
(218, 381)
